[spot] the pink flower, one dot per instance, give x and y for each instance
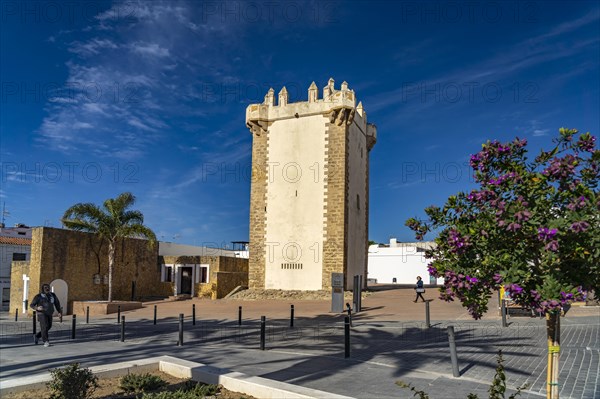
(579, 227)
(545, 233)
(552, 246)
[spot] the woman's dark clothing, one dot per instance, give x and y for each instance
(419, 294)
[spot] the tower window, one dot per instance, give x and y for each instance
(357, 201)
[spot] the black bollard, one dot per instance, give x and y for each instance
(154, 314)
(427, 319)
(180, 340)
(118, 313)
(240, 316)
(263, 322)
(291, 316)
(503, 310)
(87, 315)
(34, 323)
(17, 314)
(73, 324)
(347, 337)
(122, 328)
(453, 355)
(349, 310)
(193, 314)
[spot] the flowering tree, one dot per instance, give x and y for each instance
(531, 226)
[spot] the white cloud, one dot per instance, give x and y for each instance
(132, 77)
(150, 49)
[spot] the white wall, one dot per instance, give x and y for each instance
(173, 249)
(6, 255)
(295, 203)
(357, 204)
(402, 262)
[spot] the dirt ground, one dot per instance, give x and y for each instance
(109, 389)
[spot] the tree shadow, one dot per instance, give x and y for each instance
(311, 351)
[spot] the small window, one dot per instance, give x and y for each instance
(167, 274)
(21, 233)
(202, 275)
(19, 256)
(357, 201)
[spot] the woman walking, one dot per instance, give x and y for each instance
(419, 289)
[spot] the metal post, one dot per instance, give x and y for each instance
(453, 355)
(240, 316)
(355, 293)
(346, 337)
(34, 322)
(263, 323)
(193, 314)
(154, 314)
(17, 314)
(73, 326)
(503, 309)
(180, 340)
(122, 328)
(360, 287)
(349, 310)
(291, 316)
(87, 315)
(427, 319)
(499, 304)
(118, 313)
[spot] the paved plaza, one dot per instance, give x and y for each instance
(390, 341)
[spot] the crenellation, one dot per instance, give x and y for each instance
(283, 97)
(361, 111)
(313, 93)
(270, 98)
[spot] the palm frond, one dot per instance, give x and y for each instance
(132, 217)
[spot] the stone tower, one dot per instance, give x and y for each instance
(309, 200)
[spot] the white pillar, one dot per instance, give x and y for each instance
(25, 291)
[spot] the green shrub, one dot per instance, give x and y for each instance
(191, 390)
(421, 394)
(72, 382)
(141, 382)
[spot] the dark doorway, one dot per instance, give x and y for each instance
(186, 281)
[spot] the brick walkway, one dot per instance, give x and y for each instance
(389, 342)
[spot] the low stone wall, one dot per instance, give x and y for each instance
(99, 308)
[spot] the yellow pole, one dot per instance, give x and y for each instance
(553, 333)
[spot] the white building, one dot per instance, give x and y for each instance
(15, 245)
(173, 249)
(399, 263)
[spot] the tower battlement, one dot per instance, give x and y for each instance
(338, 104)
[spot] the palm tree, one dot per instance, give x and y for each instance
(110, 222)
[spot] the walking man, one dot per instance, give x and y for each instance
(44, 304)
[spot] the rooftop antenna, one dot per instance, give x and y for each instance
(4, 214)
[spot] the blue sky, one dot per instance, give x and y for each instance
(103, 97)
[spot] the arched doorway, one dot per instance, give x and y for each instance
(61, 290)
